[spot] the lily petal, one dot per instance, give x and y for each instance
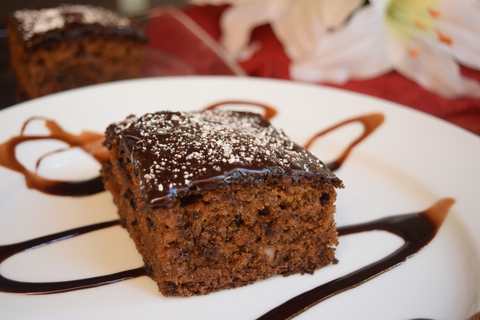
(299, 27)
(334, 13)
(238, 22)
(303, 22)
(356, 51)
(432, 67)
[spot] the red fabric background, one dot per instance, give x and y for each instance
(271, 61)
(174, 40)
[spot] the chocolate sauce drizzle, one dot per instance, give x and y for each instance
(370, 123)
(416, 229)
(88, 141)
(8, 285)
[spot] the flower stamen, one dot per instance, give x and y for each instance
(413, 53)
(443, 38)
(420, 25)
(435, 14)
(413, 18)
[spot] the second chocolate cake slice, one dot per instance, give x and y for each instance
(69, 46)
(219, 199)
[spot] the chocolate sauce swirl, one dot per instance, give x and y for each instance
(8, 285)
(416, 229)
(88, 141)
(370, 123)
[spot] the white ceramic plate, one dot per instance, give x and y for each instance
(408, 164)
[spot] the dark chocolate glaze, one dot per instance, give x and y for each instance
(46, 27)
(175, 154)
(8, 285)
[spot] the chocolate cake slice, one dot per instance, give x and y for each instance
(59, 48)
(219, 199)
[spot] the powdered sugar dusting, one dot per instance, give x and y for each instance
(174, 150)
(33, 22)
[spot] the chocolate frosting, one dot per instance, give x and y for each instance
(176, 153)
(47, 26)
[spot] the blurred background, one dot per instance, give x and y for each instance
(421, 54)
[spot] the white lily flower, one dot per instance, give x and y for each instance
(297, 23)
(421, 39)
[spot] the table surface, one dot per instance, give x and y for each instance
(7, 78)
